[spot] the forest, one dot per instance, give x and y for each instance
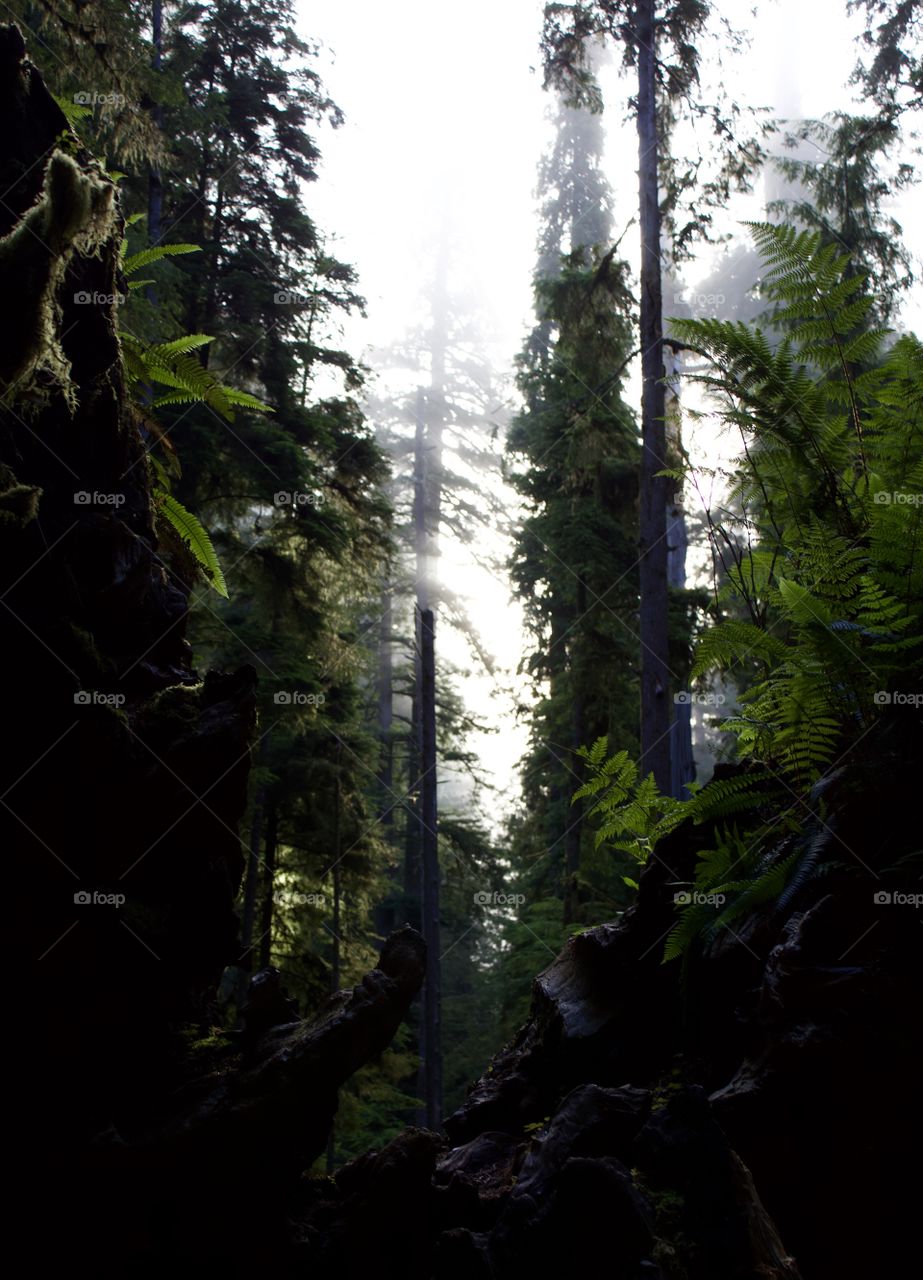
(462, 584)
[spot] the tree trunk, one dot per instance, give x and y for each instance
(681, 757)
(432, 990)
(154, 179)
(269, 875)
(251, 892)
(574, 813)
(336, 958)
(655, 703)
(412, 849)
(385, 912)
(335, 961)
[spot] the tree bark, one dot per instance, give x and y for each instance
(385, 913)
(154, 179)
(574, 814)
(412, 847)
(655, 703)
(432, 989)
(269, 874)
(682, 759)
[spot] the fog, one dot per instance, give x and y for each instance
(446, 121)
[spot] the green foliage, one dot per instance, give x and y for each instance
(171, 365)
(195, 537)
(826, 575)
(574, 458)
(850, 184)
(633, 814)
(694, 185)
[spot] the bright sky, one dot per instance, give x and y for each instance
(444, 107)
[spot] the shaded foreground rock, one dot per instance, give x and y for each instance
(755, 1120)
(146, 1192)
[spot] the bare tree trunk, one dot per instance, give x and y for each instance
(574, 815)
(420, 539)
(681, 756)
(269, 874)
(154, 179)
(335, 964)
(412, 848)
(432, 990)
(385, 914)
(251, 891)
(336, 959)
(655, 700)
(253, 873)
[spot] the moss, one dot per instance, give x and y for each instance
(177, 707)
(75, 213)
(202, 1053)
(78, 647)
(18, 502)
(671, 1083)
(670, 1241)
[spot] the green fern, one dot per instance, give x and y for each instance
(823, 606)
(196, 539)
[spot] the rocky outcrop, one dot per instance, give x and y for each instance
(750, 1116)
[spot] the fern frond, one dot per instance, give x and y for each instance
(196, 539)
(135, 261)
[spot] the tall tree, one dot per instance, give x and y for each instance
(573, 459)
(658, 39)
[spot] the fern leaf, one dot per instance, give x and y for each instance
(196, 538)
(155, 253)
